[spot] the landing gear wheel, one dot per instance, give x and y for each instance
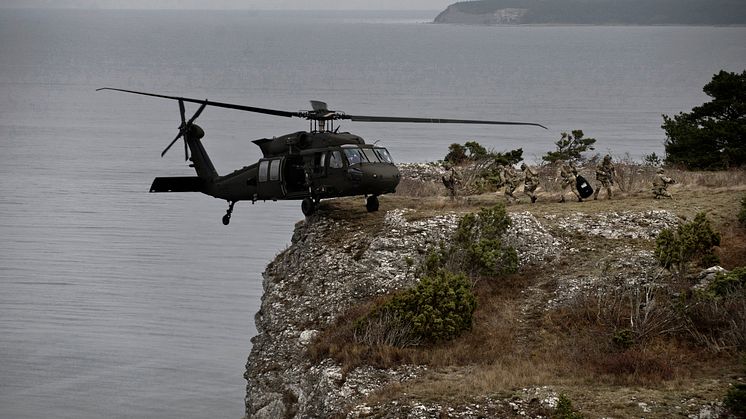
(227, 216)
(308, 207)
(371, 204)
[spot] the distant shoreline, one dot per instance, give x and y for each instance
(596, 12)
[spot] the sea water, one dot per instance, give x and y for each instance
(119, 303)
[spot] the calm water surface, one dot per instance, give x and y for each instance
(118, 303)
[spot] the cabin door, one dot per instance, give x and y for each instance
(270, 182)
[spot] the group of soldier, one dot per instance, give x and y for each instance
(567, 175)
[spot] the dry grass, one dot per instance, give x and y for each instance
(571, 349)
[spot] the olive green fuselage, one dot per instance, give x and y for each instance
(301, 165)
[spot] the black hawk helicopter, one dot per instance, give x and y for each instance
(305, 165)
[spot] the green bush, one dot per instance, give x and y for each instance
(478, 239)
(456, 154)
(439, 308)
(735, 400)
(652, 159)
(565, 410)
(477, 248)
(692, 242)
(724, 284)
(742, 213)
(624, 338)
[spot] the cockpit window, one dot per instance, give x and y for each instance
(354, 156)
(370, 155)
(384, 155)
(335, 160)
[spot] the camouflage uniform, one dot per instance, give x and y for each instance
(567, 174)
(660, 183)
(605, 173)
(452, 182)
(511, 179)
(530, 182)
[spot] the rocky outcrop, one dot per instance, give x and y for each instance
(455, 14)
(330, 266)
(334, 264)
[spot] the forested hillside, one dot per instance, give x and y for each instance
(638, 12)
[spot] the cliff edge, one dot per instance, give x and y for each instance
(344, 258)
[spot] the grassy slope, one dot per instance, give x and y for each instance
(516, 343)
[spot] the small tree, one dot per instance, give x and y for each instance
(712, 136)
(692, 242)
(570, 146)
(439, 308)
(456, 154)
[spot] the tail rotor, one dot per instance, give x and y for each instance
(186, 128)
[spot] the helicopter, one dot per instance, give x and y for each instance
(306, 165)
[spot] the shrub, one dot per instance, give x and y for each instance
(478, 243)
(479, 167)
(565, 410)
(718, 322)
(692, 242)
(735, 400)
(439, 308)
(724, 284)
(652, 159)
(456, 154)
(742, 213)
(476, 248)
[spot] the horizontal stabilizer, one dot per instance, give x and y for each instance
(177, 184)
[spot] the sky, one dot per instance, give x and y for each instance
(235, 4)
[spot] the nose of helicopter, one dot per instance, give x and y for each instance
(378, 178)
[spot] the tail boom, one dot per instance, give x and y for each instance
(178, 184)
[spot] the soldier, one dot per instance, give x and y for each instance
(499, 182)
(530, 182)
(605, 173)
(567, 174)
(660, 183)
(510, 178)
(451, 182)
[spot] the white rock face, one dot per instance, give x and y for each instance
(332, 265)
(454, 14)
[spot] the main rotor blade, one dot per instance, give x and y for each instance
(182, 111)
(181, 132)
(216, 104)
(197, 114)
(366, 118)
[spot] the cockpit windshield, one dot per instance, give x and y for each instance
(357, 155)
(383, 155)
(354, 156)
(370, 155)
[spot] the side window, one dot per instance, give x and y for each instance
(274, 169)
(335, 160)
(319, 161)
(263, 170)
